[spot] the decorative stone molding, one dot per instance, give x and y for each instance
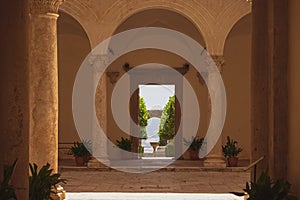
(183, 70)
(99, 62)
(113, 77)
(219, 61)
(45, 6)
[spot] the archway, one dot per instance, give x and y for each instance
(236, 77)
(125, 24)
(166, 19)
(73, 47)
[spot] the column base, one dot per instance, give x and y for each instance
(214, 161)
(96, 164)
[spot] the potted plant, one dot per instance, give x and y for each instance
(231, 151)
(7, 190)
(88, 146)
(80, 152)
(43, 184)
(194, 145)
(266, 188)
(126, 145)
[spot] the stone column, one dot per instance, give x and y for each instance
(99, 141)
(14, 119)
(269, 90)
(43, 91)
(215, 157)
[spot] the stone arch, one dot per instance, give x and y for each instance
(119, 12)
(83, 14)
(73, 46)
(213, 19)
(164, 18)
(238, 70)
(231, 15)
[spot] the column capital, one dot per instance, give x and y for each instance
(45, 6)
(99, 62)
(219, 61)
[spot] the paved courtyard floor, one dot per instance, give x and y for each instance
(100, 185)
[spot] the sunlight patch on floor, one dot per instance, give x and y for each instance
(149, 196)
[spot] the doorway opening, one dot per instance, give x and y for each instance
(157, 121)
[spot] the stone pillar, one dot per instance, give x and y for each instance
(215, 158)
(43, 94)
(14, 119)
(99, 141)
(269, 86)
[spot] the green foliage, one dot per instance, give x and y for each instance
(194, 144)
(170, 150)
(143, 132)
(266, 189)
(125, 144)
(230, 150)
(143, 113)
(79, 150)
(163, 142)
(7, 191)
(167, 121)
(88, 145)
(43, 182)
(141, 151)
(143, 118)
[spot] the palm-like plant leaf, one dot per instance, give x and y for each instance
(7, 191)
(42, 183)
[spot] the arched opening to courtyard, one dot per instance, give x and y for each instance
(166, 18)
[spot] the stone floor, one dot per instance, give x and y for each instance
(149, 196)
(184, 180)
(178, 181)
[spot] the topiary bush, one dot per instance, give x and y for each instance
(167, 121)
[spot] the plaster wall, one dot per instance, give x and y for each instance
(73, 47)
(236, 76)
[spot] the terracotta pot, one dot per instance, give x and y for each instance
(194, 154)
(79, 160)
(87, 158)
(232, 162)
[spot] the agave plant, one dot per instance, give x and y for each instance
(80, 149)
(125, 144)
(7, 191)
(230, 150)
(43, 183)
(267, 189)
(194, 144)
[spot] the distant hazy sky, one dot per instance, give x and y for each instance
(156, 96)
